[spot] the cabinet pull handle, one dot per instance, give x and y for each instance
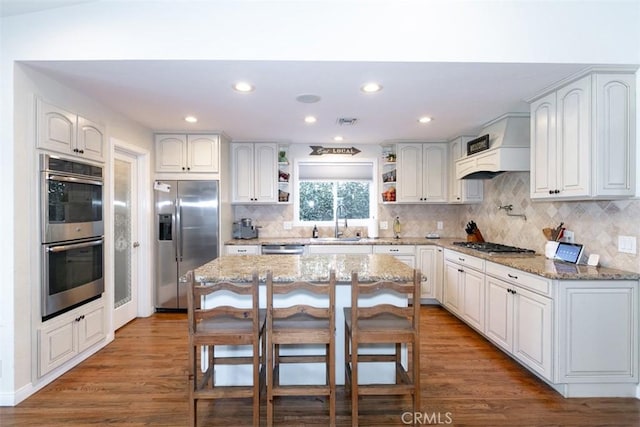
(461, 259)
(512, 276)
(461, 270)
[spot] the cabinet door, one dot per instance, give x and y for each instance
(543, 147)
(573, 136)
(532, 331)
(266, 173)
(499, 313)
(451, 295)
(614, 134)
(203, 153)
(91, 140)
(409, 173)
(91, 328)
(473, 298)
(427, 265)
(434, 173)
(242, 172)
(57, 344)
(171, 153)
(56, 128)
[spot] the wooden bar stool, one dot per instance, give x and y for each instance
(301, 325)
(382, 324)
(224, 325)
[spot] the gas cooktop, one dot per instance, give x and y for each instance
(495, 248)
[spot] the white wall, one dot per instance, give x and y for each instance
(519, 31)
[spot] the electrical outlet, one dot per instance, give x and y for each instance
(439, 225)
(627, 244)
(568, 236)
(288, 225)
(384, 225)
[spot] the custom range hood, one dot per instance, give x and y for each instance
(503, 145)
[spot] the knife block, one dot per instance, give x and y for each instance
(475, 237)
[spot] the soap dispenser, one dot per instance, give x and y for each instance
(396, 228)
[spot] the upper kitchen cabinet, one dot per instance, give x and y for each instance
(462, 190)
(254, 172)
(68, 133)
(188, 153)
(583, 139)
(422, 173)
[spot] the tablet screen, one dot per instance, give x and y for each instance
(568, 252)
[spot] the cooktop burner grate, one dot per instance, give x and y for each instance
(491, 248)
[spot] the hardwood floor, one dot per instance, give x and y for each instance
(140, 380)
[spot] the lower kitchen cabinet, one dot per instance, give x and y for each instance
(464, 287)
(68, 335)
(520, 322)
(430, 263)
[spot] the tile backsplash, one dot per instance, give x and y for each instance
(596, 224)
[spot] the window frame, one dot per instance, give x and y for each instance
(373, 191)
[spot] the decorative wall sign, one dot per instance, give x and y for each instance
(477, 145)
(319, 150)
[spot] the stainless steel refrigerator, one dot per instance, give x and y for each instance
(187, 231)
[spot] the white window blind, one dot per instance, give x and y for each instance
(335, 171)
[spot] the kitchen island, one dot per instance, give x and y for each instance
(312, 268)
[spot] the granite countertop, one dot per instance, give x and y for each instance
(537, 264)
(312, 268)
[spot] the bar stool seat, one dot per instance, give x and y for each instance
(224, 325)
(382, 324)
(300, 325)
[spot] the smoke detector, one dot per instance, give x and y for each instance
(346, 121)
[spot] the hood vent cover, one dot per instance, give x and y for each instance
(508, 149)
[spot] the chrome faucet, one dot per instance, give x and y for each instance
(339, 210)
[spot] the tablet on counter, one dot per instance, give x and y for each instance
(569, 252)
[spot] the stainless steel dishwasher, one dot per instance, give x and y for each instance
(282, 249)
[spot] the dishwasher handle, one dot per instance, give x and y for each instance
(282, 250)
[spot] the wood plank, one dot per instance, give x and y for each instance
(140, 379)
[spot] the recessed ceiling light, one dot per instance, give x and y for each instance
(310, 119)
(243, 87)
(338, 138)
(371, 87)
(425, 119)
(191, 119)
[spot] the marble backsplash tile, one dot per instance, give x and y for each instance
(596, 224)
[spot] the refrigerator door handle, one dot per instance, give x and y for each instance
(176, 221)
(180, 239)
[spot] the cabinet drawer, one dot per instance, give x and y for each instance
(243, 250)
(394, 249)
(463, 259)
(518, 277)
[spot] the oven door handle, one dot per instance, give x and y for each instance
(63, 178)
(63, 248)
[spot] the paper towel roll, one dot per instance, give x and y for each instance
(372, 231)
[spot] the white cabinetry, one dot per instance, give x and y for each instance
(464, 287)
(422, 173)
(254, 169)
(405, 253)
(187, 153)
(462, 190)
(430, 263)
(68, 335)
(338, 249)
(583, 139)
(243, 250)
(68, 133)
(519, 320)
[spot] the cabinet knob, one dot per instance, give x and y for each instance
(183, 168)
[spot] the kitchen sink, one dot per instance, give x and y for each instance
(337, 239)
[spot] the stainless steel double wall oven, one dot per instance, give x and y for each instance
(72, 233)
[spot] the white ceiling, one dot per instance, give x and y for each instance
(19, 7)
(460, 97)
